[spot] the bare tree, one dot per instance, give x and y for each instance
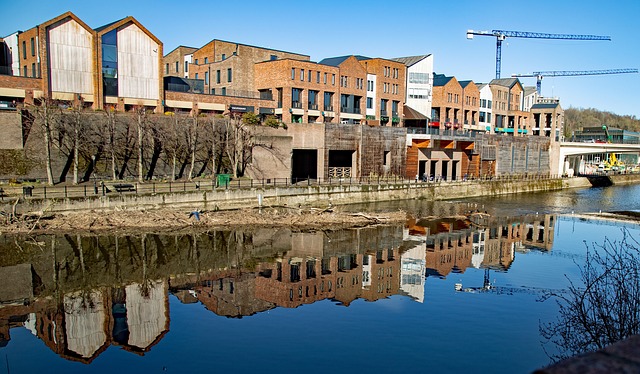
(192, 140)
(237, 143)
(604, 307)
(141, 118)
(47, 113)
(110, 114)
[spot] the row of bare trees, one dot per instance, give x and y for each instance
(138, 143)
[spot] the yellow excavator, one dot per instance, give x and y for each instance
(612, 163)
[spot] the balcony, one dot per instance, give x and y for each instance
(328, 108)
(383, 113)
(346, 109)
(296, 105)
(312, 106)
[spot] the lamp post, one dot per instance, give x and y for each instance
(93, 172)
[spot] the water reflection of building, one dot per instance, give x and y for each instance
(83, 324)
(454, 246)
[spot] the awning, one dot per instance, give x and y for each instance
(410, 113)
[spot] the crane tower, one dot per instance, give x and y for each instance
(501, 35)
(565, 73)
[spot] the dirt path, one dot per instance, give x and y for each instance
(164, 220)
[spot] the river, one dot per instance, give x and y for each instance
(432, 295)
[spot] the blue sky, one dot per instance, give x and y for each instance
(398, 28)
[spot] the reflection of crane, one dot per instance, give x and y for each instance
(502, 35)
(504, 290)
(564, 73)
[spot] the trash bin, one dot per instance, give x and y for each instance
(27, 191)
(223, 179)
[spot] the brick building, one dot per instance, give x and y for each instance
(509, 118)
(176, 63)
(305, 91)
(352, 88)
(470, 106)
(386, 89)
(446, 110)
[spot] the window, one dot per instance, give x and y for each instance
(293, 73)
(489, 104)
(369, 103)
(386, 158)
(24, 70)
(24, 52)
(394, 107)
(223, 91)
(313, 100)
(317, 77)
(224, 57)
(206, 60)
(309, 76)
(213, 91)
(370, 86)
(302, 74)
(420, 78)
(33, 70)
(295, 98)
(196, 75)
(218, 76)
(186, 66)
(167, 69)
(206, 77)
(196, 61)
(177, 67)
(273, 57)
(325, 78)
(33, 47)
(383, 107)
(333, 79)
(229, 77)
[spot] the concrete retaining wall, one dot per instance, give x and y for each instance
(319, 196)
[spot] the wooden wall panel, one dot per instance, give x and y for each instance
(70, 56)
(138, 70)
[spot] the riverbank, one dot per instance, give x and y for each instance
(175, 220)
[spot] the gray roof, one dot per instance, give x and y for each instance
(108, 25)
(481, 85)
(506, 82)
(440, 79)
(410, 60)
(528, 90)
(464, 83)
(336, 61)
(545, 106)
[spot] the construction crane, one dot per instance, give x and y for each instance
(566, 73)
(612, 163)
(502, 35)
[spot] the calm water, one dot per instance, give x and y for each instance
(373, 299)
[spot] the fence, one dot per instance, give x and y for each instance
(104, 188)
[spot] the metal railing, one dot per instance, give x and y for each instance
(339, 176)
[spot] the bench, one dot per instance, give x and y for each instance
(122, 187)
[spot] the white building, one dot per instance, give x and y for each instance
(529, 98)
(11, 54)
(419, 86)
(486, 102)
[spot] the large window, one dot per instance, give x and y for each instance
(218, 76)
(313, 100)
(328, 101)
(295, 98)
(186, 66)
(369, 103)
(33, 47)
(110, 63)
(229, 78)
(206, 77)
(419, 78)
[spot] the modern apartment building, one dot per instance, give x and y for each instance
(386, 81)
(509, 118)
(227, 68)
(485, 111)
(446, 110)
(352, 88)
(419, 89)
(470, 106)
(176, 63)
(64, 59)
(305, 91)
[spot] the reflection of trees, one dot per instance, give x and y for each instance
(605, 308)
